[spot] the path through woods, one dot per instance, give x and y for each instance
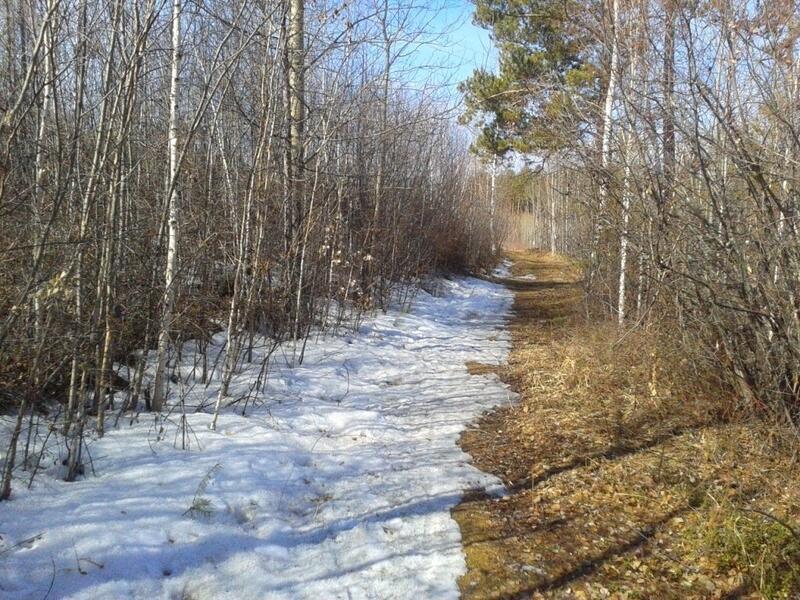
(608, 478)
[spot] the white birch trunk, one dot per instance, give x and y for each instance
(492, 203)
(170, 271)
(624, 235)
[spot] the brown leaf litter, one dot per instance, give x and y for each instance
(624, 480)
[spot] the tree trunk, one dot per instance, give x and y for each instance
(171, 270)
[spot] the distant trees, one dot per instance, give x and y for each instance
(538, 209)
(169, 167)
(683, 171)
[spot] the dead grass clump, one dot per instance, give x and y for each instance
(749, 520)
(596, 395)
(478, 368)
(631, 391)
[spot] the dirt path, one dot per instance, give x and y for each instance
(623, 481)
(500, 563)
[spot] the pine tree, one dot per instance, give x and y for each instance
(547, 70)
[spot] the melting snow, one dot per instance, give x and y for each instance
(339, 486)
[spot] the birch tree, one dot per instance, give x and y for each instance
(173, 212)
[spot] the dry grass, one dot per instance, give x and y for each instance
(477, 368)
(624, 479)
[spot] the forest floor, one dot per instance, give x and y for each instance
(623, 479)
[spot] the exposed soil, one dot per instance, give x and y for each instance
(624, 480)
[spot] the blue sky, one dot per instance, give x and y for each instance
(460, 46)
(469, 45)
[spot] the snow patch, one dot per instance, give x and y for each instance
(503, 269)
(340, 485)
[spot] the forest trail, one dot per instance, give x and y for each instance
(338, 483)
(595, 472)
(502, 558)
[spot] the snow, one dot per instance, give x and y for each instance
(503, 269)
(339, 485)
